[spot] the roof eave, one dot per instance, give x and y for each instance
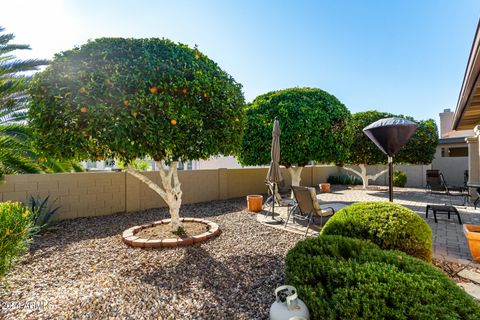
(470, 77)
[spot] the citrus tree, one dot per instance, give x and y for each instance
(134, 98)
(420, 149)
(313, 127)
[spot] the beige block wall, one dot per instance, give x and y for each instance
(78, 194)
(103, 193)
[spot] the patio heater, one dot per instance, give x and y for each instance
(390, 135)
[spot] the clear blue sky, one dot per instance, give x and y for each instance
(403, 56)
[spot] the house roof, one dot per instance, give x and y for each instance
(467, 112)
(452, 140)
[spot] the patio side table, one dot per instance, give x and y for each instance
(442, 210)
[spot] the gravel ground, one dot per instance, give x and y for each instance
(82, 270)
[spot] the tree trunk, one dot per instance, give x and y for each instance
(363, 174)
(296, 174)
(171, 192)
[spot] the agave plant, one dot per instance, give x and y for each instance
(41, 212)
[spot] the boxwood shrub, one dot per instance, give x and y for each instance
(15, 233)
(389, 225)
(399, 178)
(345, 278)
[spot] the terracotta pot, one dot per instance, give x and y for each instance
(254, 202)
(472, 232)
(325, 187)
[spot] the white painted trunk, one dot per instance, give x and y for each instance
(296, 174)
(170, 190)
(363, 174)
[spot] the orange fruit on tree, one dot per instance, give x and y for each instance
(82, 90)
(205, 95)
(173, 122)
(126, 103)
(83, 109)
(153, 90)
(84, 133)
(184, 91)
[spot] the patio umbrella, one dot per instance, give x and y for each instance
(274, 175)
(390, 134)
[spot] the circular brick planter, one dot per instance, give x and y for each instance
(131, 239)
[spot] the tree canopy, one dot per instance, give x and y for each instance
(313, 127)
(420, 149)
(132, 98)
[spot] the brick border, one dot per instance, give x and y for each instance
(132, 240)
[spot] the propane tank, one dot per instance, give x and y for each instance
(288, 306)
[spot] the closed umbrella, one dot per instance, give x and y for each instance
(274, 175)
(390, 135)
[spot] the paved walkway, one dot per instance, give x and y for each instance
(449, 241)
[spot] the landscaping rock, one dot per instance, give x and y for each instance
(83, 270)
(469, 274)
(472, 289)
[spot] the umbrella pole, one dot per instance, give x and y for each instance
(273, 203)
(390, 178)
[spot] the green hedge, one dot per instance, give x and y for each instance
(15, 233)
(345, 278)
(389, 225)
(344, 179)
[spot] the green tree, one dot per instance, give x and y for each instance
(134, 98)
(313, 127)
(420, 149)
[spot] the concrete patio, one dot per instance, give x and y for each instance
(449, 242)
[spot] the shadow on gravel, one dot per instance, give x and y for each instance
(70, 231)
(234, 286)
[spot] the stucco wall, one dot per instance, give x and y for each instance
(452, 168)
(415, 174)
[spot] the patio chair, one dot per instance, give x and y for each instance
(437, 184)
(307, 207)
(475, 188)
(279, 201)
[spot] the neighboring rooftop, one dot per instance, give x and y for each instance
(447, 135)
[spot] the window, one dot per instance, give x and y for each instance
(455, 152)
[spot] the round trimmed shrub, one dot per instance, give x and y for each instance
(389, 225)
(344, 278)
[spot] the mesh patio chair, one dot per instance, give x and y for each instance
(279, 201)
(476, 190)
(437, 184)
(307, 207)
